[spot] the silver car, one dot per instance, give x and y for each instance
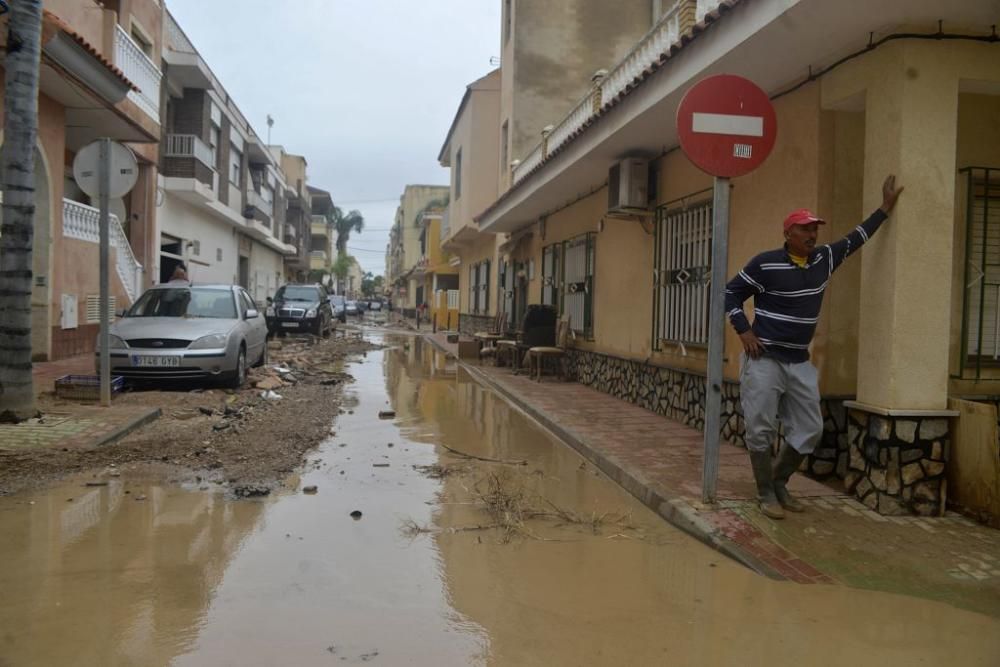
(183, 331)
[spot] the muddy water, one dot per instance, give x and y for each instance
(575, 573)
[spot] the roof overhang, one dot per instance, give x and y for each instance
(187, 70)
(771, 42)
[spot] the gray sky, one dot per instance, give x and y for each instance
(365, 89)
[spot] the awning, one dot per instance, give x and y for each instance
(510, 246)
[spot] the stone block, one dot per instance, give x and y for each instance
(911, 455)
(890, 506)
(937, 450)
(863, 488)
(927, 490)
(825, 453)
(842, 465)
(879, 428)
(907, 494)
(883, 457)
(871, 501)
(857, 461)
(933, 468)
(822, 468)
(877, 478)
(906, 430)
(851, 480)
(911, 473)
(931, 429)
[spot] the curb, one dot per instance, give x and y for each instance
(674, 510)
(150, 415)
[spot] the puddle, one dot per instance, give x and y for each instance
(582, 574)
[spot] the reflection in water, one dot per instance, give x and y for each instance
(189, 578)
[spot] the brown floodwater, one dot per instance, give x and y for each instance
(569, 569)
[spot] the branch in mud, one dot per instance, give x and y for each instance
(509, 462)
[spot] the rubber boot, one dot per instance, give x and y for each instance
(769, 505)
(788, 462)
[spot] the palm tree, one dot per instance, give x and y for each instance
(17, 171)
(345, 224)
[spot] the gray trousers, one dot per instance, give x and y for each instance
(773, 391)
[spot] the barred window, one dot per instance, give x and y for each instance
(682, 268)
(982, 297)
(568, 281)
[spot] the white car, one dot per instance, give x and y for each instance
(187, 332)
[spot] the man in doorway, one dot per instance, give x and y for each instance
(777, 382)
(180, 274)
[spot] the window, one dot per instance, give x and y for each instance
(196, 248)
(213, 145)
(457, 170)
(246, 302)
(982, 273)
(479, 287)
(568, 281)
(507, 8)
(504, 162)
(218, 254)
(267, 194)
(235, 165)
(682, 267)
(140, 40)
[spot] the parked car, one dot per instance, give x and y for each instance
(374, 305)
(300, 308)
(351, 308)
(338, 305)
(183, 331)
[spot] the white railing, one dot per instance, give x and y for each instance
(82, 222)
(189, 145)
(176, 39)
(647, 51)
(141, 71)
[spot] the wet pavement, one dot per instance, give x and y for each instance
(567, 569)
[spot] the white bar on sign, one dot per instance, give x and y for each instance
(721, 123)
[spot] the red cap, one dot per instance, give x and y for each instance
(802, 216)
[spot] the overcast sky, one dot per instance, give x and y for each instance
(365, 89)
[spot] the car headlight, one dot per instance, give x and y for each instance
(116, 343)
(210, 341)
(311, 313)
(269, 312)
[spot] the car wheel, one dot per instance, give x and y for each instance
(239, 376)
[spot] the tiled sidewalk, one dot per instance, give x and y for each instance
(837, 540)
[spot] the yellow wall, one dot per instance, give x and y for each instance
(484, 247)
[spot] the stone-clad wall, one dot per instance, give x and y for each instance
(471, 324)
(897, 464)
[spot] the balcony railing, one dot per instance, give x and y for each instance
(290, 231)
(319, 228)
(189, 145)
(255, 199)
(141, 71)
(82, 222)
(655, 42)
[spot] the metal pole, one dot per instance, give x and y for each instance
(716, 339)
(104, 184)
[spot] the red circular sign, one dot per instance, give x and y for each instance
(726, 125)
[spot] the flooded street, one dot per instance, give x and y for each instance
(454, 560)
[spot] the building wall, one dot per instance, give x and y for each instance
(181, 219)
(415, 198)
(266, 270)
(555, 49)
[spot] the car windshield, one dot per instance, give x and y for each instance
(297, 293)
(186, 302)
(352, 304)
(337, 300)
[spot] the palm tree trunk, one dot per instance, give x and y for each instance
(17, 171)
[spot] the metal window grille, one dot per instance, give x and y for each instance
(682, 269)
(551, 275)
(578, 283)
(981, 316)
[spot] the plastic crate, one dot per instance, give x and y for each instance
(86, 387)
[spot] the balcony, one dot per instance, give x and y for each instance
(259, 206)
(319, 228)
(141, 71)
(317, 260)
(290, 232)
(187, 156)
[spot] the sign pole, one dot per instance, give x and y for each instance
(716, 339)
(104, 184)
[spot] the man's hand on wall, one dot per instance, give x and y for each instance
(751, 344)
(890, 193)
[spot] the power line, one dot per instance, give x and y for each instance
(381, 252)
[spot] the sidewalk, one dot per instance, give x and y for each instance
(837, 540)
(71, 424)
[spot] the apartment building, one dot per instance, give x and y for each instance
(404, 241)
(225, 195)
(99, 77)
(907, 341)
(322, 237)
(298, 214)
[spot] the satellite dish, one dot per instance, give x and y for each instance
(124, 169)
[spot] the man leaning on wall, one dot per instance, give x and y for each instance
(777, 381)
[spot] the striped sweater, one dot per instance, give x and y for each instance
(787, 298)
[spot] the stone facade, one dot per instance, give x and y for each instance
(471, 324)
(896, 465)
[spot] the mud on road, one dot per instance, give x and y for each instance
(245, 440)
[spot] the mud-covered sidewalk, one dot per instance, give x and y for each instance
(245, 440)
(837, 540)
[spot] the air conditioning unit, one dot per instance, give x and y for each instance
(628, 186)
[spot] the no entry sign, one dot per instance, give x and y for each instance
(726, 125)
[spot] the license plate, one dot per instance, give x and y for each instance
(290, 325)
(155, 361)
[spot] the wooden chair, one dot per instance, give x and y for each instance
(537, 356)
(487, 339)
